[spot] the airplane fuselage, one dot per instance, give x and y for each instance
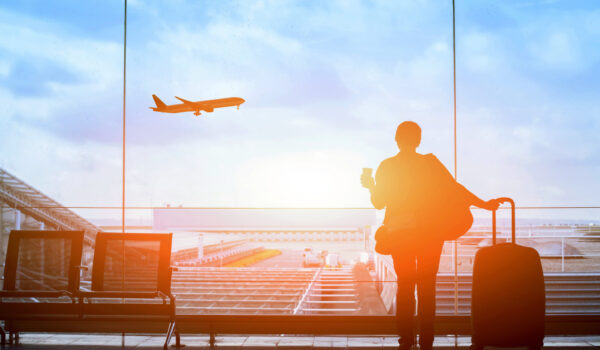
(196, 107)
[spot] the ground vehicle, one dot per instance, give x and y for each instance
(333, 260)
(323, 256)
(310, 258)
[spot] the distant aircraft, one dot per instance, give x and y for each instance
(196, 107)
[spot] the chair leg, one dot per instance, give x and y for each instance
(16, 338)
(170, 331)
(10, 338)
(178, 340)
(212, 340)
(2, 336)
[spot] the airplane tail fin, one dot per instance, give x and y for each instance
(159, 103)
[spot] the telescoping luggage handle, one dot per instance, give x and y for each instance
(512, 212)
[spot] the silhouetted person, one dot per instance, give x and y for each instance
(407, 185)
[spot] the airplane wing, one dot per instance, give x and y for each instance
(186, 101)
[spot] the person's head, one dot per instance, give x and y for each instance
(408, 136)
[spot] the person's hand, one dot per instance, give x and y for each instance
(367, 181)
(492, 204)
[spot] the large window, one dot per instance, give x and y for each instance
(325, 85)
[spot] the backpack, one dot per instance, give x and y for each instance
(443, 211)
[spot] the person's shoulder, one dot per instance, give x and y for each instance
(389, 161)
(436, 165)
(430, 157)
(387, 164)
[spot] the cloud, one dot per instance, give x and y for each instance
(29, 78)
(83, 175)
(59, 82)
(258, 59)
(563, 41)
(558, 50)
(326, 83)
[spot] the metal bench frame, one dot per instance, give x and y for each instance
(109, 317)
(83, 315)
(13, 312)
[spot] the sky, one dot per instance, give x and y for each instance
(325, 83)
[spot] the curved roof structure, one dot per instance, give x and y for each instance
(25, 198)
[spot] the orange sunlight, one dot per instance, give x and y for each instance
(308, 179)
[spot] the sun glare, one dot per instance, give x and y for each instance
(311, 179)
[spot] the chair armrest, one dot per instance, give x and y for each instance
(165, 296)
(162, 295)
(119, 294)
(35, 294)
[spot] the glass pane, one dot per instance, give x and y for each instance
(140, 259)
(325, 84)
(43, 264)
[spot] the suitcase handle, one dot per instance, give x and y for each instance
(512, 212)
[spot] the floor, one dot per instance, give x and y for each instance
(88, 341)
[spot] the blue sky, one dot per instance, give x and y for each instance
(326, 83)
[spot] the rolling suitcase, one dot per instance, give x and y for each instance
(508, 299)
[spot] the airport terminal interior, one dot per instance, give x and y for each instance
(187, 174)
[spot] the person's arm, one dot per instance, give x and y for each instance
(377, 187)
(471, 198)
(379, 190)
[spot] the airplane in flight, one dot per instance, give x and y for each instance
(196, 107)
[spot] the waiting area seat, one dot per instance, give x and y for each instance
(131, 285)
(41, 279)
(130, 290)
